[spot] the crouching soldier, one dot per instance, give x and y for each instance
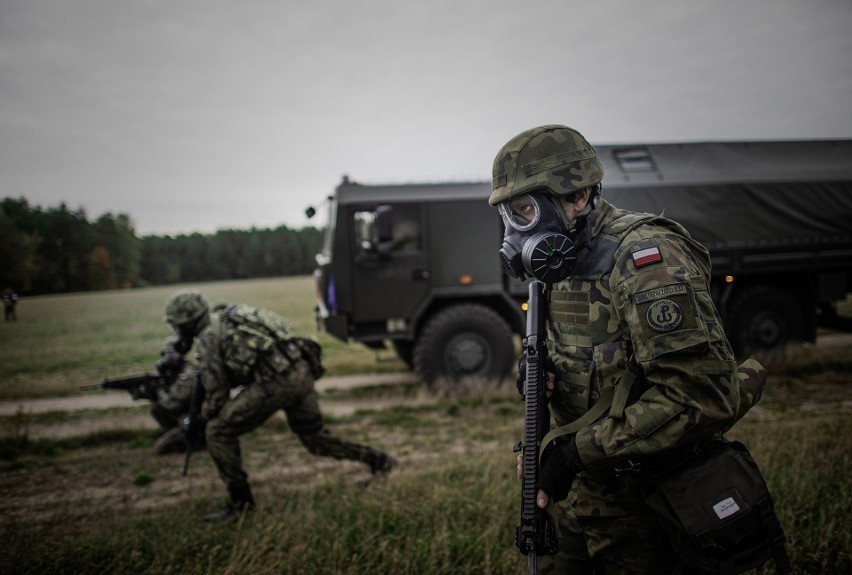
(170, 405)
(250, 347)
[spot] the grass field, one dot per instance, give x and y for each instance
(64, 341)
(101, 502)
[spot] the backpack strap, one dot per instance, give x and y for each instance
(622, 388)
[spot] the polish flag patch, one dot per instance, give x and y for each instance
(647, 256)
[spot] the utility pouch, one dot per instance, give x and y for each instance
(718, 513)
(312, 353)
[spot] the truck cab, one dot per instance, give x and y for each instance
(417, 266)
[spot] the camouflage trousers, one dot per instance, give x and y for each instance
(605, 528)
(292, 392)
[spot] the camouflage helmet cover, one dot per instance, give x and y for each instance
(556, 158)
(185, 307)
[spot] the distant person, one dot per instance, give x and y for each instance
(10, 300)
(634, 309)
(249, 347)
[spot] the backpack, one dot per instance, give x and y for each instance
(251, 333)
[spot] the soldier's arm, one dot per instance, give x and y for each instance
(212, 372)
(678, 341)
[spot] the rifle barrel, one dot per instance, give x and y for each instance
(92, 386)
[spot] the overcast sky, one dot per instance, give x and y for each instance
(198, 115)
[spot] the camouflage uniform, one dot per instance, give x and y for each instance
(171, 405)
(638, 296)
(249, 347)
(640, 290)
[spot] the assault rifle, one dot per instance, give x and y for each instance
(139, 386)
(193, 427)
(535, 535)
(145, 386)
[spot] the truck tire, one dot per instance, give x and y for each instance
(464, 341)
(765, 319)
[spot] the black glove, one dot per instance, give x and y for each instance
(561, 463)
(521, 377)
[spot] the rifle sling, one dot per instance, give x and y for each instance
(613, 400)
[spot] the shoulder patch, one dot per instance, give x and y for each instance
(660, 292)
(647, 256)
(664, 315)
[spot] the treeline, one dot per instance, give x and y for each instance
(57, 250)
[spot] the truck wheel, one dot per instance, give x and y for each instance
(765, 320)
(468, 340)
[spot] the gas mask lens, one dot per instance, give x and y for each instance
(535, 242)
(521, 212)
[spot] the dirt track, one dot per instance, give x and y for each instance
(72, 423)
(76, 425)
(110, 399)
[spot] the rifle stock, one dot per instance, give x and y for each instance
(535, 534)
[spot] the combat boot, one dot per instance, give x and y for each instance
(240, 502)
(381, 464)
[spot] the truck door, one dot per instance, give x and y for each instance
(391, 271)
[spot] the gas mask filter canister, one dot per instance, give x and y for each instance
(534, 242)
(182, 341)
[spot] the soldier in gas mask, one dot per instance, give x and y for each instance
(170, 403)
(628, 291)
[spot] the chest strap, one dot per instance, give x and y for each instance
(612, 401)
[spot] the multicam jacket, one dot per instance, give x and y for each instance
(640, 292)
(241, 344)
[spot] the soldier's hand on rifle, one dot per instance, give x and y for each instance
(521, 377)
(561, 463)
(520, 466)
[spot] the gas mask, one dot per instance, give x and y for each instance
(535, 241)
(171, 364)
(182, 341)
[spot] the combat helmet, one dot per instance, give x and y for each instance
(552, 157)
(186, 307)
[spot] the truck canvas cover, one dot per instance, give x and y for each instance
(732, 195)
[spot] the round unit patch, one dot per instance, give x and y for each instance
(664, 315)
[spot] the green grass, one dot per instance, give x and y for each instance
(61, 342)
(450, 508)
(101, 502)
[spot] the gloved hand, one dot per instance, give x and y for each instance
(521, 377)
(560, 464)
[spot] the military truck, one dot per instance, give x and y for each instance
(416, 266)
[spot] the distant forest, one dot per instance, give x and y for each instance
(57, 250)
